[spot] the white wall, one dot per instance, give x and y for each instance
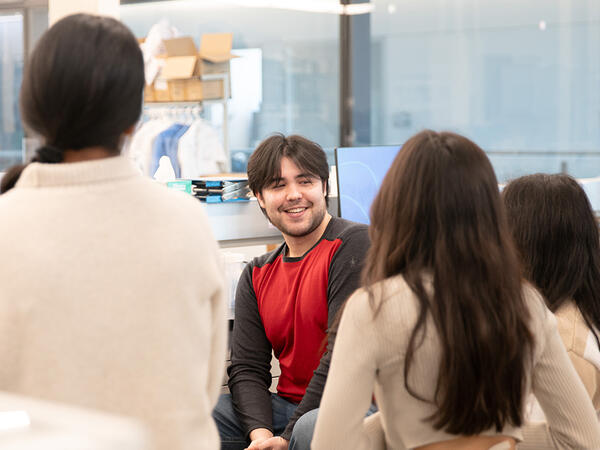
(57, 9)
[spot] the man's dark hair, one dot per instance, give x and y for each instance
(264, 165)
(82, 87)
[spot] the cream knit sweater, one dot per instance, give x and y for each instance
(368, 357)
(111, 297)
(582, 348)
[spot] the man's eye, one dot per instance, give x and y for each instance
(306, 181)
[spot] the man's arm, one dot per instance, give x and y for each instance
(344, 279)
(250, 369)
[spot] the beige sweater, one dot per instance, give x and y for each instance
(368, 357)
(582, 348)
(111, 298)
(583, 351)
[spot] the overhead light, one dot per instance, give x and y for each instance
(357, 8)
(310, 6)
(313, 6)
(542, 25)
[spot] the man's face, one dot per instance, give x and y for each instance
(295, 203)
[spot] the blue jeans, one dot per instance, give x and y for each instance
(233, 437)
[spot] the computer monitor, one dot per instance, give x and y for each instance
(360, 171)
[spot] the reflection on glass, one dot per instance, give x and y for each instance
(520, 80)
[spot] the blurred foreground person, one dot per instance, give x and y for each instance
(111, 297)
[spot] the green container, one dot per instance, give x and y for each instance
(181, 185)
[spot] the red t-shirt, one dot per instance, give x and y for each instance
(292, 303)
(285, 306)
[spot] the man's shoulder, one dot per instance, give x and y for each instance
(354, 244)
(345, 229)
(266, 258)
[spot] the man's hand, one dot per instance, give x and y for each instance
(258, 436)
(274, 443)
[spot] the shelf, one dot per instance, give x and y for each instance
(237, 224)
(218, 101)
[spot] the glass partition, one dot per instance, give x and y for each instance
(523, 81)
(286, 77)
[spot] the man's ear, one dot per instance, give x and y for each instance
(260, 199)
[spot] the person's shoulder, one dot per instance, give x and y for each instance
(390, 302)
(576, 334)
(14, 205)
(542, 322)
(345, 229)
(170, 209)
(534, 300)
(266, 258)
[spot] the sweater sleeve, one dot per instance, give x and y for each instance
(250, 369)
(344, 279)
(341, 422)
(571, 419)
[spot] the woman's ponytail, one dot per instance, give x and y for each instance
(11, 177)
(45, 154)
(48, 154)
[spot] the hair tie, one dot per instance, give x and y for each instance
(48, 154)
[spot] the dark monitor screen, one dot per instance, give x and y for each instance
(360, 171)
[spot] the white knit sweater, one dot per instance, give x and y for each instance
(369, 357)
(111, 297)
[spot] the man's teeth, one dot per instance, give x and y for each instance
(295, 210)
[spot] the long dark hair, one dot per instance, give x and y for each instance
(82, 87)
(439, 212)
(556, 233)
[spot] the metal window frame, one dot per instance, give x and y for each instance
(355, 66)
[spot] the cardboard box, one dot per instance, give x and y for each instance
(181, 76)
(197, 89)
(161, 91)
(183, 60)
(193, 89)
(215, 53)
(180, 60)
(149, 93)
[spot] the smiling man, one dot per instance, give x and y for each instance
(287, 299)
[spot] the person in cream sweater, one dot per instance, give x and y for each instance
(445, 332)
(111, 294)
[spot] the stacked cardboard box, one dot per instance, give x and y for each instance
(184, 74)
